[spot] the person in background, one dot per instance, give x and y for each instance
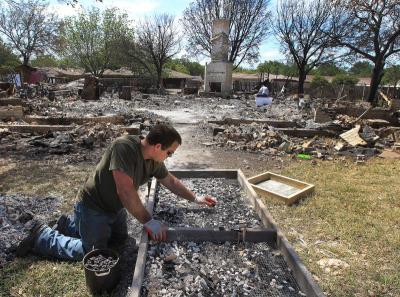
(264, 91)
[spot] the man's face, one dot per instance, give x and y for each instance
(161, 154)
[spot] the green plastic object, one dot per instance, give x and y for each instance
(304, 156)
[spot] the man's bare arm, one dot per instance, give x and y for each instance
(129, 197)
(176, 187)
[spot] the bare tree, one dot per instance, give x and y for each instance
(158, 41)
(301, 27)
(28, 27)
(370, 29)
(249, 26)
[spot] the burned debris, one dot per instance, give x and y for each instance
(210, 268)
(342, 130)
(17, 215)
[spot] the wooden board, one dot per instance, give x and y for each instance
(7, 112)
(352, 137)
(273, 123)
(134, 129)
(43, 120)
(10, 101)
(280, 188)
(40, 129)
(303, 277)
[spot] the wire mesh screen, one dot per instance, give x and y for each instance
(211, 269)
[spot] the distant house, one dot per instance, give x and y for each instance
(30, 75)
(56, 75)
(125, 77)
(245, 82)
(179, 80)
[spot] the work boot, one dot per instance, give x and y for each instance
(26, 244)
(62, 224)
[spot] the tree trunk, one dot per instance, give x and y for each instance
(25, 60)
(302, 79)
(159, 79)
(125, 93)
(376, 78)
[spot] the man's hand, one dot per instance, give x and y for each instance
(156, 230)
(207, 200)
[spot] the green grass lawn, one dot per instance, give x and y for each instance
(354, 219)
(347, 233)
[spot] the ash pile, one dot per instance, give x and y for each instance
(230, 211)
(208, 269)
(213, 269)
(17, 215)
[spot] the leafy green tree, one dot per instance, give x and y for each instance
(328, 69)
(392, 75)
(361, 69)
(177, 65)
(67, 62)
(45, 61)
(270, 67)
(194, 68)
(290, 70)
(7, 58)
(345, 79)
(92, 38)
(245, 70)
(184, 65)
(319, 82)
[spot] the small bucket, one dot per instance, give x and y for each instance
(100, 281)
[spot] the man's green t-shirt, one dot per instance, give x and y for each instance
(124, 154)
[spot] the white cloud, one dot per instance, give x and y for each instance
(64, 10)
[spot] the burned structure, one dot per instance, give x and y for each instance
(218, 73)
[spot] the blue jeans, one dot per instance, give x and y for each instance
(89, 229)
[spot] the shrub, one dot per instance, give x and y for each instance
(345, 79)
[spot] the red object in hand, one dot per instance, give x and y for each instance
(210, 201)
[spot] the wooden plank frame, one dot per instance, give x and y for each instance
(39, 129)
(305, 189)
(303, 277)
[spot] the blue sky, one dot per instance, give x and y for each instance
(269, 49)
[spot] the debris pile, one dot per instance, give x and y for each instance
(17, 215)
(340, 135)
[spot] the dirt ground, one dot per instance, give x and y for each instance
(37, 166)
(54, 166)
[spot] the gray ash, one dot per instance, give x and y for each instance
(208, 269)
(17, 214)
(100, 263)
(230, 210)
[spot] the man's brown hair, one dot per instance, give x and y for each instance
(164, 134)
